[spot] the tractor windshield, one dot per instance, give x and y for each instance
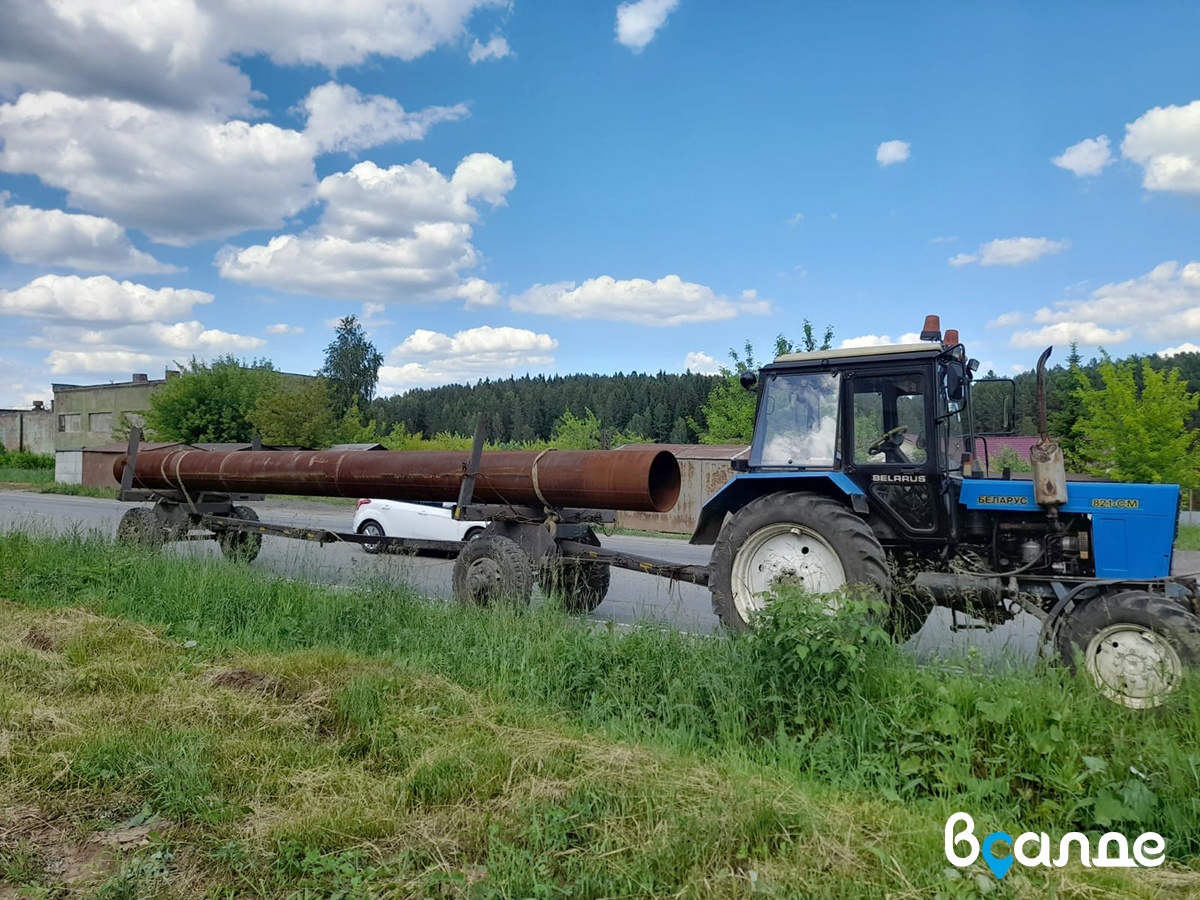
(798, 421)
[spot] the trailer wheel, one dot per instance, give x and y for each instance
(492, 569)
(141, 526)
(1134, 646)
(374, 529)
(804, 540)
(580, 585)
(240, 545)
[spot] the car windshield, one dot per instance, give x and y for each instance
(799, 424)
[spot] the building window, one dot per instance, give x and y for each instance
(70, 422)
(100, 422)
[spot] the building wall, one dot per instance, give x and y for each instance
(28, 429)
(68, 466)
(85, 416)
(699, 479)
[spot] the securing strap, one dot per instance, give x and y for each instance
(534, 473)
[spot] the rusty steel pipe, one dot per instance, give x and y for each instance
(634, 480)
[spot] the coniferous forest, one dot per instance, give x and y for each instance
(657, 407)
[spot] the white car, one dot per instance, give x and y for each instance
(399, 518)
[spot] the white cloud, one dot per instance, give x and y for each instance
(1164, 303)
(109, 362)
(701, 363)
(668, 301)
(1088, 157)
(51, 237)
(399, 235)
(1010, 252)
(1088, 333)
(98, 299)
(429, 357)
(639, 22)
(1006, 320)
(179, 177)
(943, 240)
(1185, 347)
(1165, 142)
(879, 340)
(284, 328)
(795, 219)
(496, 48)
(341, 119)
(177, 53)
(891, 152)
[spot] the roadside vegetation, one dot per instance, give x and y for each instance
(22, 467)
(238, 734)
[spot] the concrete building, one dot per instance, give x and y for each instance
(703, 470)
(85, 415)
(32, 430)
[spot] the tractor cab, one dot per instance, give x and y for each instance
(892, 420)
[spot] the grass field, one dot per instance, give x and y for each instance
(181, 727)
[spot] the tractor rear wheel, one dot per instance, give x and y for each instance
(805, 541)
(580, 585)
(240, 545)
(492, 569)
(1134, 646)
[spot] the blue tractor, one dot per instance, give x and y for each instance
(865, 468)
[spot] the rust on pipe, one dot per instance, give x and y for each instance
(637, 480)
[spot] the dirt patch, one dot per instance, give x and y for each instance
(62, 858)
(40, 640)
(244, 680)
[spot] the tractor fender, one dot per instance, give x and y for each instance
(742, 489)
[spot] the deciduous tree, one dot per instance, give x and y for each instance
(210, 401)
(295, 412)
(351, 366)
(1132, 432)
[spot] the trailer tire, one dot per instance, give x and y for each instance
(240, 545)
(1133, 646)
(374, 529)
(141, 526)
(580, 585)
(492, 569)
(807, 539)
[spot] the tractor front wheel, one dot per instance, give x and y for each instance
(806, 541)
(1134, 646)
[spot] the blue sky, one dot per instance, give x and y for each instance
(497, 188)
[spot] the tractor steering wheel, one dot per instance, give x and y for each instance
(890, 442)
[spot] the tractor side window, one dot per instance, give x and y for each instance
(889, 419)
(799, 424)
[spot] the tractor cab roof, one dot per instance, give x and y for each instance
(888, 352)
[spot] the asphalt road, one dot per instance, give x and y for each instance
(632, 598)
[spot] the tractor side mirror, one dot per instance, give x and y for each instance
(748, 380)
(956, 382)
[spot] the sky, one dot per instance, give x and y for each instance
(502, 187)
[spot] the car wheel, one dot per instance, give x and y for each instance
(472, 533)
(372, 529)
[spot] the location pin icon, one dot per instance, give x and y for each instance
(998, 864)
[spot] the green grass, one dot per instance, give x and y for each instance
(322, 742)
(1188, 538)
(26, 476)
(79, 490)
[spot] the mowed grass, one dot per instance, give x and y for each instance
(245, 735)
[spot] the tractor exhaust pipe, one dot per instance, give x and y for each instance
(1046, 456)
(638, 480)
